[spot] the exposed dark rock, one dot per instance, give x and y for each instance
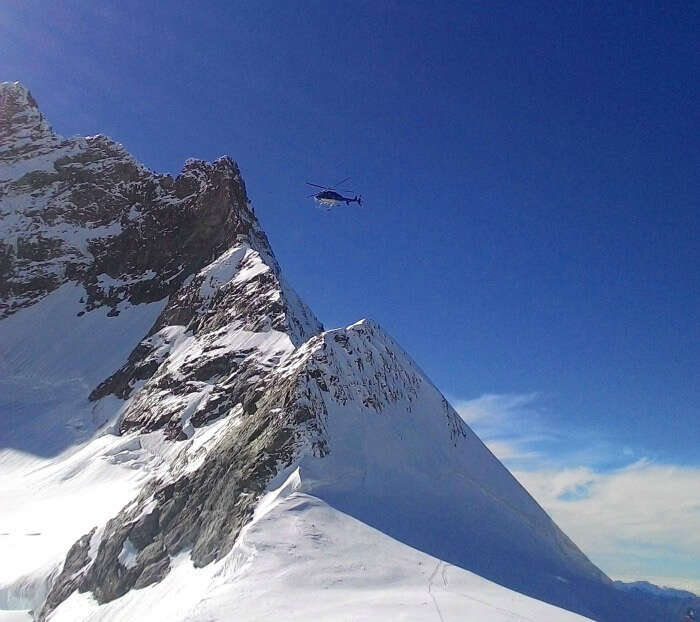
(204, 511)
(70, 578)
(143, 233)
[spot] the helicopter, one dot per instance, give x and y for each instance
(330, 197)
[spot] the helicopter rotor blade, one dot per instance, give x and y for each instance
(340, 183)
(318, 186)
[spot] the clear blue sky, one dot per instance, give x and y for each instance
(530, 173)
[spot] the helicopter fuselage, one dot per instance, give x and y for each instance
(330, 197)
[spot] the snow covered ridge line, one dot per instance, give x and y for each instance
(354, 370)
(203, 511)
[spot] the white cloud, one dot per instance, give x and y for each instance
(493, 407)
(639, 521)
(642, 521)
(509, 424)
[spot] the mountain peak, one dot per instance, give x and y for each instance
(23, 129)
(83, 210)
(18, 93)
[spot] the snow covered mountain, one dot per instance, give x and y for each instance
(180, 439)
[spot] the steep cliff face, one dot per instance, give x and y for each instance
(211, 380)
(83, 210)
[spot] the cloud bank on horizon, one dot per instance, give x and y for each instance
(636, 518)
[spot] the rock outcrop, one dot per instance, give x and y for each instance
(83, 210)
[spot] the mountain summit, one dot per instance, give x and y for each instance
(205, 449)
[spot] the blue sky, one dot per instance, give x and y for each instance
(531, 184)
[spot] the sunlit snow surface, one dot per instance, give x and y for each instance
(50, 360)
(53, 486)
(300, 559)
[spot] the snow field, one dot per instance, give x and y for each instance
(300, 559)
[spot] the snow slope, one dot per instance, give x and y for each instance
(57, 480)
(50, 360)
(402, 460)
(300, 559)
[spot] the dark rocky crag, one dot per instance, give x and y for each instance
(83, 210)
(202, 511)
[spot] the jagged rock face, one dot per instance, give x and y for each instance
(212, 348)
(203, 510)
(24, 133)
(83, 210)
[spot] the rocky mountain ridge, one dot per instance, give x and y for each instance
(83, 210)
